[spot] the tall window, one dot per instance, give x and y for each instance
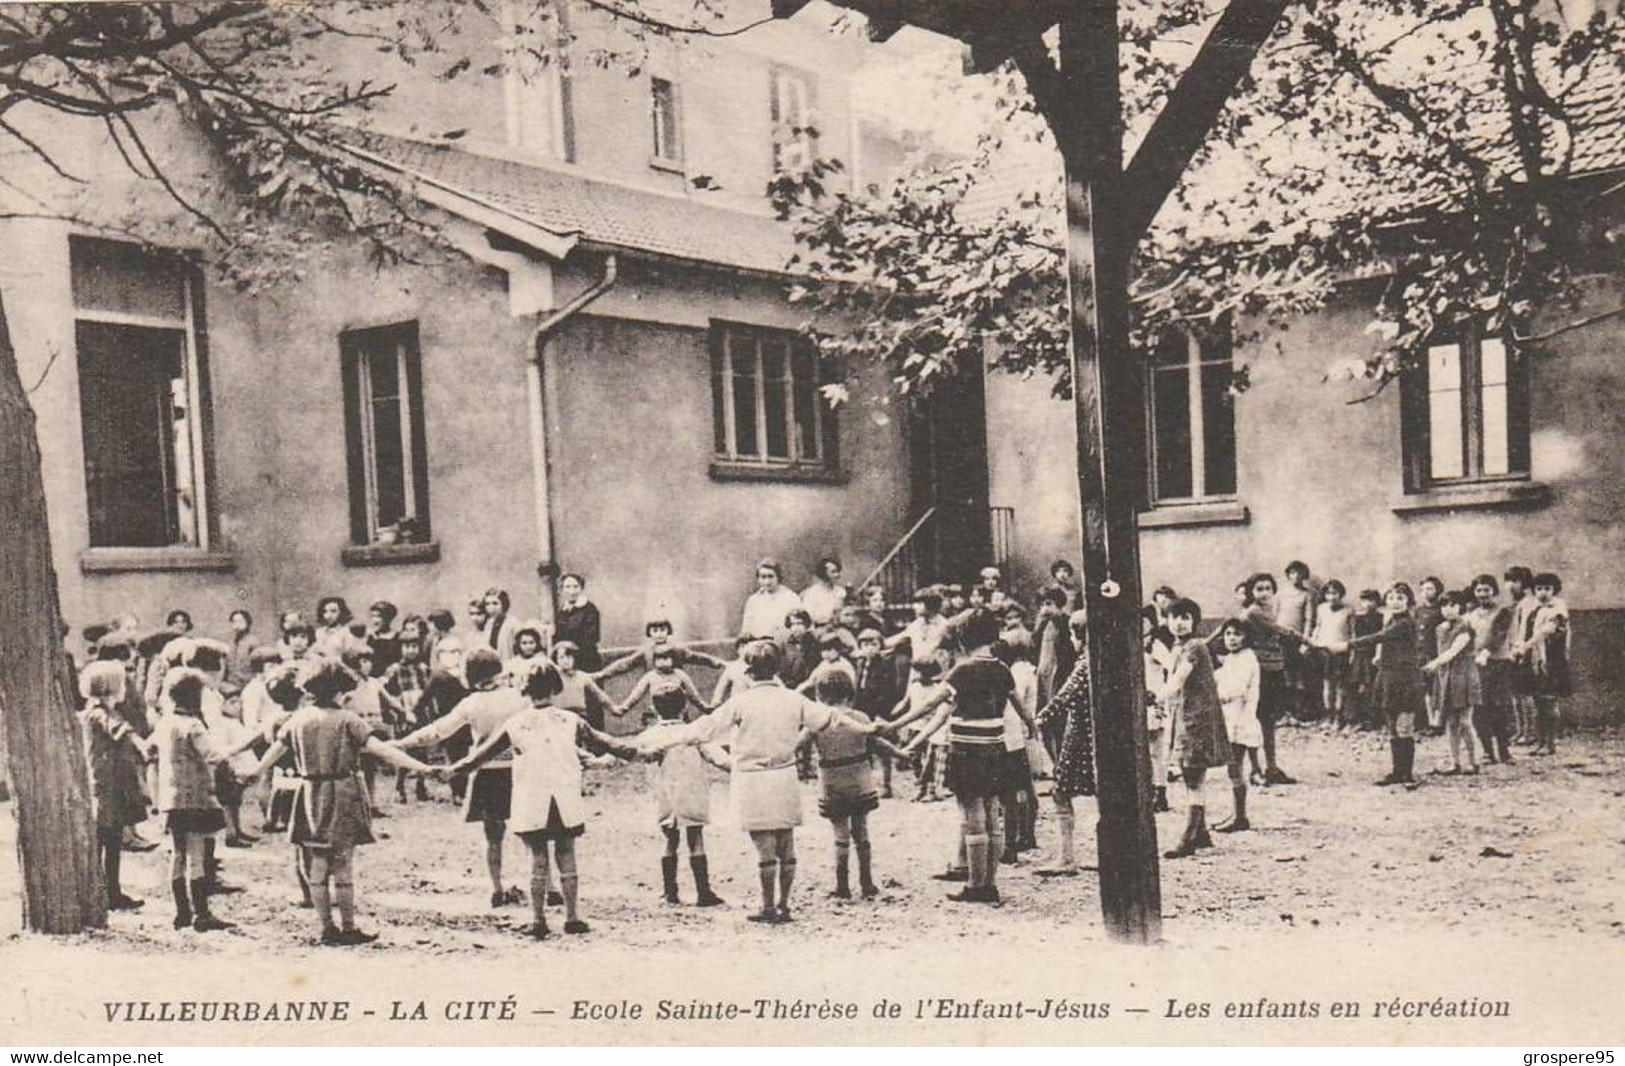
(540, 108)
(1466, 414)
(766, 405)
(142, 393)
(1193, 420)
(383, 409)
(792, 114)
(665, 121)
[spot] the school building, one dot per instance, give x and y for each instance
(598, 371)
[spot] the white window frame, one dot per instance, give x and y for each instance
(186, 325)
(732, 337)
(1197, 414)
(369, 436)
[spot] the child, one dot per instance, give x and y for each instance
(832, 652)
(1456, 690)
(683, 800)
(1492, 631)
(445, 691)
(187, 756)
(922, 689)
(1197, 739)
(490, 790)
(1238, 680)
(925, 634)
(1521, 678)
(1070, 716)
(297, 640)
(1362, 660)
(732, 678)
(1400, 685)
(239, 667)
(1296, 608)
(1018, 802)
(668, 689)
(285, 696)
(382, 637)
(115, 780)
(1428, 617)
(1548, 651)
(546, 786)
(764, 724)
(499, 627)
(1157, 646)
(332, 624)
(846, 792)
(527, 645)
(441, 624)
(405, 682)
(875, 691)
(979, 688)
(659, 633)
(799, 647)
(955, 600)
(1270, 641)
(1333, 621)
(372, 702)
(578, 692)
(331, 815)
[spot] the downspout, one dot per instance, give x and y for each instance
(535, 371)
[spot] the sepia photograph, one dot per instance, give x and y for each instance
(812, 522)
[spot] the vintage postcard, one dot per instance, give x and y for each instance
(836, 522)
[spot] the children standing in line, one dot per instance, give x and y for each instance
(1333, 625)
(115, 781)
(546, 805)
(490, 790)
(1197, 738)
(1238, 679)
(1456, 689)
(331, 816)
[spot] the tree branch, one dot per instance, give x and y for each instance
(1569, 327)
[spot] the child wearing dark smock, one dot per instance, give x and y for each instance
(1400, 686)
(1548, 651)
(1456, 688)
(331, 813)
(846, 784)
(115, 778)
(546, 805)
(1197, 739)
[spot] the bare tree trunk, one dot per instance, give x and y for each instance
(56, 841)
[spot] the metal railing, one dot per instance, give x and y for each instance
(915, 560)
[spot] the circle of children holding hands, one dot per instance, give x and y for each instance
(827, 683)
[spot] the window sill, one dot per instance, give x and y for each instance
(1502, 495)
(722, 470)
(390, 554)
(670, 166)
(139, 560)
(1182, 515)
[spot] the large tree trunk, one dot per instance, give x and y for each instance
(56, 842)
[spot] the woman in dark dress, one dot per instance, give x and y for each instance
(578, 622)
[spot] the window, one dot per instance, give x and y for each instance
(667, 127)
(767, 409)
(1192, 420)
(794, 140)
(383, 419)
(1466, 414)
(540, 107)
(143, 395)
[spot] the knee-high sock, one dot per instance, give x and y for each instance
(570, 885)
(1066, 822)
(768, 871)
(538, 889)
(843, 852)
(344, 899)
(866, 875)
(976, 860)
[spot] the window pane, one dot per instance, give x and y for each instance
(1497, 459)
(389, 461)
(1172, 351)
(1492, 354)
(1218, 430)
(383, 372)
(111, 276)
(1446, 452)
(129, 378)
(1171, 430)
(744, 360)
(663, 103)
(804, 366)
(775, 372)
(719, 403)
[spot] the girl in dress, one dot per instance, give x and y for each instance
(373, 703)
(1548, 652)
(682, 793)
(1366, 620)
(1018, 802)
(1333, 621)
(115, 780)
(284, 695)
(546, 806)
(499, 628)
(763, 725)
(332, 624)
(668, 689)
(578, 691)
(1456, 688)
(331, 816)
(491, 788)
(527, 645)
(1070, 715)
(1400, 685)
(187, 757)
(1197, 740)
(382, 637)
(1238, 680)
(846, 784)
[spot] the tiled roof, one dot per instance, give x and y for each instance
(595, 211)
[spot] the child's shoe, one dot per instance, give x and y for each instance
(952, 873)
(868, 890)
(576, 926)
(537, 930)
(121, 902)
(355, 937)
(331, 937)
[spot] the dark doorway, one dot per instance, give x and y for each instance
(948, 470)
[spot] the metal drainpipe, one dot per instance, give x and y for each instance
(535, 371)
